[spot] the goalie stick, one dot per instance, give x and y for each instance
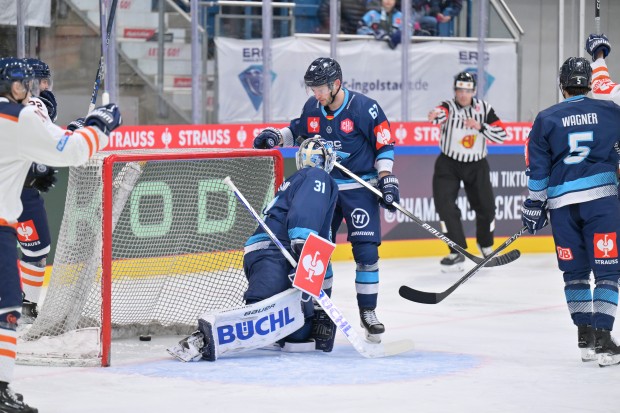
(101, 70)
(493, 262)
(424, 297)
(366, 349)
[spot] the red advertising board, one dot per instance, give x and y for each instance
(242, 135)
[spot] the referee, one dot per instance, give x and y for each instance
(466, 124)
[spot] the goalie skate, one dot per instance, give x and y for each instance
(188, 349)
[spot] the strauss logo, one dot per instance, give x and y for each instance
(25, 231)
(605, 245)
(313, 265)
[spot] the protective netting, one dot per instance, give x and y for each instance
(177, 243)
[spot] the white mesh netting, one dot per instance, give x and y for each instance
(177, 248)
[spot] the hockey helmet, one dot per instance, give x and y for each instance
(323, 71)
(465, 80)
(14, 70)
(40, 68)
(316, 153)
(575, 72)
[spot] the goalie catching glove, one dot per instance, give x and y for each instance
(40, 177)
(106, 118)
(268, 138)
(388, 185)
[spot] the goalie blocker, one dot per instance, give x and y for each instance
(255, 326)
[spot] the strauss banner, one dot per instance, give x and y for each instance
(368, 66)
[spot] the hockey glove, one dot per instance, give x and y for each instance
(76, 124)
(268, 138)
(388, 185)
(394, 39)
(41, 177)
(534, 215)
(106, 118)
(49, 100)
(598, 43)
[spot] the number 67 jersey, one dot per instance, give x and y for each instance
(570, 156)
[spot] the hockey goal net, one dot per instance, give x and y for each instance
(148, 242)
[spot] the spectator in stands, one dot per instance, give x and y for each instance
(424, 23)
(384, 23)
(351, 12)
(447, 11)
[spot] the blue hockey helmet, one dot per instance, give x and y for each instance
(14, 70)
(316, 152)
(575, 72)
(40, 68)
(323, 71)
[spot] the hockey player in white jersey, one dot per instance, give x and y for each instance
(33, 231)
(24, 139)
(598, 46)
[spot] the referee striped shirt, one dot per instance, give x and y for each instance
(465, 144)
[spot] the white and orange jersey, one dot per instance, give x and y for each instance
(25, 137)
(602, 86)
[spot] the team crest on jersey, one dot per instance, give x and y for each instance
(468, 141)
(605, 245)
(314, 125)
(26, 231)
(564, 254)
(346, 125)
(383, 133)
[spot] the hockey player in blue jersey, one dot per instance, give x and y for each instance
(304, 204)
(571, 165)
(360, 133)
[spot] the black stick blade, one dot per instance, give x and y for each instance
(421, 297)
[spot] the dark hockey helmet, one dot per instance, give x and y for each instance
(40, 68)
(316, 152)
(465, 80)
(14, 70)
(575, 72)
(323, 71)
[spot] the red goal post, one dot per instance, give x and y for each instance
(162, 245)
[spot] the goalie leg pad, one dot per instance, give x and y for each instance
(252, 326)
(323, 331)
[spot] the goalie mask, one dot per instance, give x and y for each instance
(316, 153)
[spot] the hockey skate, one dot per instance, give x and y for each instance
(486, 251)
(30, 312)
(585, 341)
(606, 348)
(11, 402)
(371, 324)
(453, 262)
(189, 349)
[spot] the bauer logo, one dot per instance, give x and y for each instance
(227, 334)
(252, 81)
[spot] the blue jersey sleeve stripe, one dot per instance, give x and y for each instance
(300, 233)
(537, 184)
(580, 184)
(257, 238)
(386, 155)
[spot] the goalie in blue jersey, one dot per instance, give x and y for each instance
(274, 311)
(571, 165)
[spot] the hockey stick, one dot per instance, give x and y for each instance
(494, 262)
(101, 70)
(597, 16)
(434, 298)
(366, 349)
